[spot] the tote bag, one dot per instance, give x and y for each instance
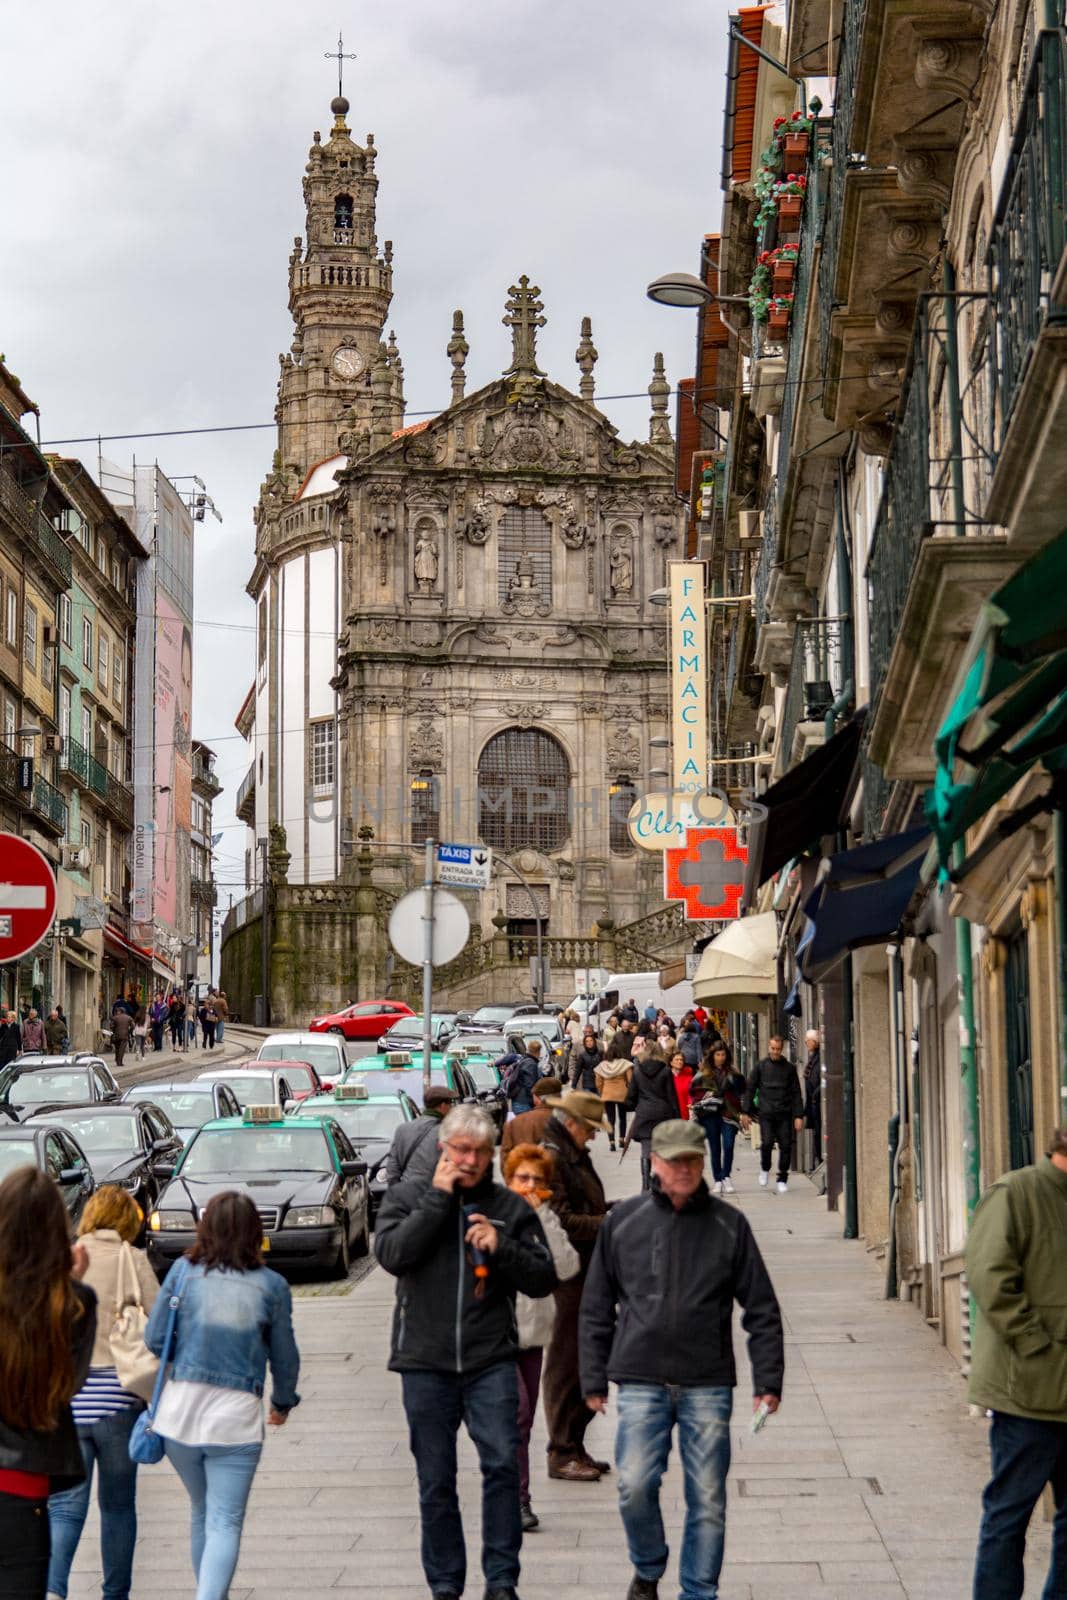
(135, 1364)
(146, 1446)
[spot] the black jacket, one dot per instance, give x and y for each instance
(629, 1014)
(56, 1453)
(812, 1086)
(689, 1046)
(577, 1192)
(778, 1087)
(659, 1299)
(10, 1042)
(519, 1082)
(652, 1098)
(414, 1152)
(583, 1067)
(439, 1325)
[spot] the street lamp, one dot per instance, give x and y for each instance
(662, 597)
(686, 290)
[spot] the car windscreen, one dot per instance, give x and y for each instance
(184, 1107)
(98, 1133)
(46, 1087)
(16, 1153)
(484, 1074)
(323, 1057)
(493, 1014)
(362, 1121)
(250, 1089)
(382, 1081)
(241, 1151)
(486, 1044)
(298, 1076)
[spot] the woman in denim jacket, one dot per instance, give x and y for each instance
(235, 1315)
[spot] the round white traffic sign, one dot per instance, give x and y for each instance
(27, 897)
(407, 932)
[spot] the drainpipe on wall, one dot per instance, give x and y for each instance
(896, 1121)
(850, 1191)
(1059, 844)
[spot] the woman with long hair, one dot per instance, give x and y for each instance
(528, 1170)
(105, 1412)
(47, 1327)
(234, 1316)
(716, 1095)
(585, 1062)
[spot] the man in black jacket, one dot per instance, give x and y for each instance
(652, 1098)
(413, 1153)
(774, 1094)
(461, 1248)
(656, 1320)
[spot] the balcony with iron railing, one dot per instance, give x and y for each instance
(204, 891)
(245, 809)
(204, 778)
(817, 673)
(840, 155)
(30, 522)
(43, 801)
(1028, 276)
(94, 778)
(933, 559)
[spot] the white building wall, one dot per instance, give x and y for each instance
(322, 820)
(291, 713)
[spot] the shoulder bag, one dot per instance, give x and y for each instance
(135, 1364)
(146, 1446)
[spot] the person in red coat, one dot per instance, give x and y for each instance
(683, 1078)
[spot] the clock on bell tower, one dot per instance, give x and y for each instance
(340, 290)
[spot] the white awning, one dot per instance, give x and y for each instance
(738, 968)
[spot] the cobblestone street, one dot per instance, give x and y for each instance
(867, 1482)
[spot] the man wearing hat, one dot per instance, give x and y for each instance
(578, 1201)
(413, 1154)
(656, 1320)
(529, 1126)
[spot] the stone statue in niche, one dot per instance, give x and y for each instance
(427, 560)
(622, 569)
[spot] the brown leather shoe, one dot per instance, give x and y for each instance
(601, 1466)
(575, 1472)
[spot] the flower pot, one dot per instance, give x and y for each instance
(789, 208)
(782, 276)
(796, 144)
(778, 322)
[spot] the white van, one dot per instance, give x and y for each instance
(643, 988)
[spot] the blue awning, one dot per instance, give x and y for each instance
(861, 899)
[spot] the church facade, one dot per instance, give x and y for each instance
(455, 632)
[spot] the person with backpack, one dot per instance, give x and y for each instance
(520, 1077)
(652, 1099)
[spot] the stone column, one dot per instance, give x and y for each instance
(367, 936)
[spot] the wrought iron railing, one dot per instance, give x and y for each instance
(204, 774)
(49, 805)
(816, 675)
(93, 776)
(761, 578)
(934, 471)
(877, 792)
(204, 889)
(1028, 237)
(35, 527)
(245, 808)
(841, 150)
(802, 287)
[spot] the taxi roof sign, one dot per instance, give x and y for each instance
(263, 1114)
(351, 1091)
(398, 1058)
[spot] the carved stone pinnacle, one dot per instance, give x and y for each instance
(524, 318)
(457, 352)
(586, 357)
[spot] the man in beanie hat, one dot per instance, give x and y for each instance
(578, 1201)
(413, 1154)
(656, 1320)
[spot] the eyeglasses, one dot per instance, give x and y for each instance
(465, 1152)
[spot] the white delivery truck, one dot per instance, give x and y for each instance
(597, 1001)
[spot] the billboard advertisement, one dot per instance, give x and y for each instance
(173, 798)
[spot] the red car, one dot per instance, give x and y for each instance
(368, 1019)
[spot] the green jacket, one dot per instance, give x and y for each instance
(1017, 1272)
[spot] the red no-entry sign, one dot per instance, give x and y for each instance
(27, 897)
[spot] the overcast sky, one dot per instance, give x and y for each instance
(154, 155)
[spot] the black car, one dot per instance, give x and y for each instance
(53, 1150)
(188, 1105)
(495, 1019)
(125, 1144)
(29, 1082)
(307, 1183)
(370, 1124)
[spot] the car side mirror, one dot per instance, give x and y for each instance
(72, 1175)
(354, 1169)
(164, 1169)
(161, 1145)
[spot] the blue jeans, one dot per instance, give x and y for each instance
(1026, 1454)
(220, 1030)
(647, 1416)
(487, 1402)
(720, 1135)
(218, 1480)
(190, 1032)
(105, 1445)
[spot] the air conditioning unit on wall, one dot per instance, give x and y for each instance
(75, 856)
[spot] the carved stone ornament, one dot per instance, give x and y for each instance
(524, 597)
(621, 566)
(566, 871)
(427, 561)
(385, 629)
(426, 745)
(572, 531)
(524, 712)
(425, 635)
(476, 525)
(624, 750)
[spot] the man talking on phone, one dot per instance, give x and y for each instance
(461, 1248)
(656, 1320)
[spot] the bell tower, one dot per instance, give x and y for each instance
(340, 290)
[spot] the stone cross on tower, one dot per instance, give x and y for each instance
(524, 318)
(339, 55)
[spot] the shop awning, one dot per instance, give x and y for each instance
(115, 937)
(1010, 709)
(738, 968)
(861, 899)
(809, 802)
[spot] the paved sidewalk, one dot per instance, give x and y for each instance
(865, 1487)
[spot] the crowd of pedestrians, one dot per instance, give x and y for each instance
(178, 1016)
(27, 1032)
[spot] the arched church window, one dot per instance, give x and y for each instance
(342, 211)
(523, 791)
(524, 555)
(621, 797)
(425, 807)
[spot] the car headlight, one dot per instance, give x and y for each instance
(171, 1222)
(381, 1176)
(309, 1217)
